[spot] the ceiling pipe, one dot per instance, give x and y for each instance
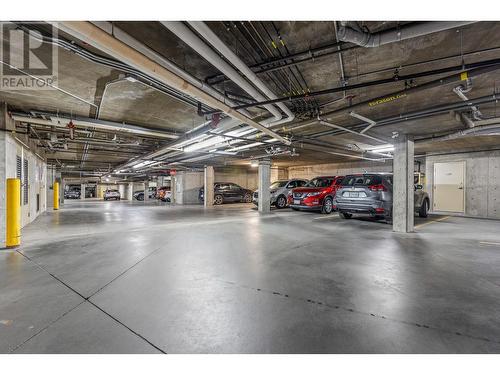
(226, 52)
(470, 132)
(405, 92)
(61, 121)
(329, 124)
(461, 90)
(415, 115)
(431, 111)
(196, 134)
(98, 38)
(467, 70)
(364, 39)
(340, 153)
(192, 136)
(153, 55)
(370, 122)
(292, 59)
(192, 40)
(144, 78)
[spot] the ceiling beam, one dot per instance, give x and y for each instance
(94, 36)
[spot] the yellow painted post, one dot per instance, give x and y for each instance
(13, 238)
(56, 195)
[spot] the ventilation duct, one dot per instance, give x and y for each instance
(364, 39)
(94, 36)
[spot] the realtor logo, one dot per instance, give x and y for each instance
(27, 60)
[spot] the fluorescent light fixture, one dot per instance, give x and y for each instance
(382, 149)
(142, 164)
(251, 145)
(254, 164)
(221, 152)
(207, 143)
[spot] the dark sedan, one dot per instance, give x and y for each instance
(72, 194)
(225, 192)
(139, 195)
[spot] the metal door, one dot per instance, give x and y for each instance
(449, 187)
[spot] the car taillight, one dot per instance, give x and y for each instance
(377, 187)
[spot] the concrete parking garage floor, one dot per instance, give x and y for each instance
(120, 277)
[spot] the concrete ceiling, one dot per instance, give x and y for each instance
(135, 103)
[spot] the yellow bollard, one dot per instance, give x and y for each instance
(56, 195)
(13, 212)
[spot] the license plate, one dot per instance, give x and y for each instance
(296, 201)
(353, 194)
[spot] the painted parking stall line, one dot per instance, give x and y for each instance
(431, 222)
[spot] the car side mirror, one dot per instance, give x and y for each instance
(419, 187)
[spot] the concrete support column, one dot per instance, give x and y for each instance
(146, 191)
(403, 189)
(63, 189)
(208, 185)
(82, 191)
(173, 189)
(264, 183)
(180, 182)
(130, 191)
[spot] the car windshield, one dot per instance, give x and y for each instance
(112, 191)
(320, 182)
(278, 184)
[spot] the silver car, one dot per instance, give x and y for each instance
(279, 191)
(371, 194)
(111, 194)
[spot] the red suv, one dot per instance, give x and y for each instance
(317, 195)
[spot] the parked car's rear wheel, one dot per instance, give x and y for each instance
(281, 202)
(345, 215)
(327, 206)
(247, 198)
(218, 199)
(140, 197)
(422, 212)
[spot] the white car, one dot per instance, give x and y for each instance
(111, 194)
(279, 191)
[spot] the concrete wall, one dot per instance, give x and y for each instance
(37, 180)
(278, 173)
(49, 192)
(243, 176)
(482, 181)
